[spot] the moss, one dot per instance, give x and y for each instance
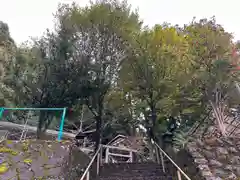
(25, 146)
(8, 150)
(3, 168)
(27, 161)
(9, 142)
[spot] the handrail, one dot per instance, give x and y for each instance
(98, 153)
(119, 148)
(91, 162)
(170, 159)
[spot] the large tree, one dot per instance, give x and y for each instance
(7, 57)
(156, 69)
(101, 36)
(212, 75)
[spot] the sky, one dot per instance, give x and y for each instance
(30, 18)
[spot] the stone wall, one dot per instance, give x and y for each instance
(216, 158)
(185, 161)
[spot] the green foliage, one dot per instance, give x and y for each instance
(113, 73)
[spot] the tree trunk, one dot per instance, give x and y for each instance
(98, 135)
(41, 121)
(219, 117)
(154, 119)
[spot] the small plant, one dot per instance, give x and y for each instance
(180, 139)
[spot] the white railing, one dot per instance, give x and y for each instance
(109, 156)
(163, 154)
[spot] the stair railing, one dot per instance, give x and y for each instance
(162, 153)
(108, 155)
(86, 174)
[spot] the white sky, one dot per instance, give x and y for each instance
(31, 17)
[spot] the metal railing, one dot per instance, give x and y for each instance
(86, 174)
(163, 154)
(108, 156)
(98, 158)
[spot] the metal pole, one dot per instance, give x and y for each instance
(107, 155)
(163, 166)
(61, 125)
(88, 175)
(1, 112)
(131, 156)
(98, 163)
(179, 175)
(101, 155)
(157, 155)
(48, 109)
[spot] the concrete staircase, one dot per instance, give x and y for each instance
(133, 171)
(110, 168)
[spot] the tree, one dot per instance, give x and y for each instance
(101, 33)
(119, 115)
(154, 74)
(211, 69)
(7, 52)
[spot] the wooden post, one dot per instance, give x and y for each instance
(88, 175)
(179, 175)
(131, 156)
(107, 155)
(98, 163)
(100, 158)
(162, 161)
(157, 155)
(84, 141)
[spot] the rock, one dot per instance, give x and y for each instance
(235, 160)
(211, 141)
(237, 170)
(215, 163)
(203, 167)
(213, 178)
(200, 161)
(221, 151)
(228, 141)
(222, 158)
(220, 142)
(228, 167)
(232, 150)
(197, 155)
(200, 143)
(220, 173)
(209, 154)
(192, 149)
(231, 177)
(208, 147)
(206, 173)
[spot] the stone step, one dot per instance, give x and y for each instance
(136, 178)
(133, 167)
(133, 173)
(130, 165)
